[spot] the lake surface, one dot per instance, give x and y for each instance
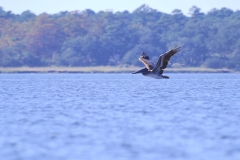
(119, 117)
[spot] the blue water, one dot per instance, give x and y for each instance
(119, 117)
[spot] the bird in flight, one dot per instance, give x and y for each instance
(156, 71)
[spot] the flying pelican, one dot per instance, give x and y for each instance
(156, 71)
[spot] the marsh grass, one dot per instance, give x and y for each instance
(104, 69)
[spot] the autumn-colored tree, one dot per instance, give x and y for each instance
(86, 38)
(45, 37)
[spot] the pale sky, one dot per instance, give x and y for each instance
(166, 6)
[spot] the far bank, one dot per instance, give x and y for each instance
(106, 69)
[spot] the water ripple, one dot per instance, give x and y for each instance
(119, 116)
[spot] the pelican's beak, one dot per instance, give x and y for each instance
(136, 72)
(140, 71)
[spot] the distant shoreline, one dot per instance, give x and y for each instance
(106, 69)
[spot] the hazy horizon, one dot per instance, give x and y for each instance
(50, 7)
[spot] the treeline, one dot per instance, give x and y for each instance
(86, 38)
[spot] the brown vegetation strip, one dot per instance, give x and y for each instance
(104, 69)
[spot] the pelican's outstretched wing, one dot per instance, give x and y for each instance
(145, 60)
(164, 59)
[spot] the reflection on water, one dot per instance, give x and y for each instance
(119, 116)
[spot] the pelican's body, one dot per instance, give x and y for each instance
(156, 76)
(156, 71)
